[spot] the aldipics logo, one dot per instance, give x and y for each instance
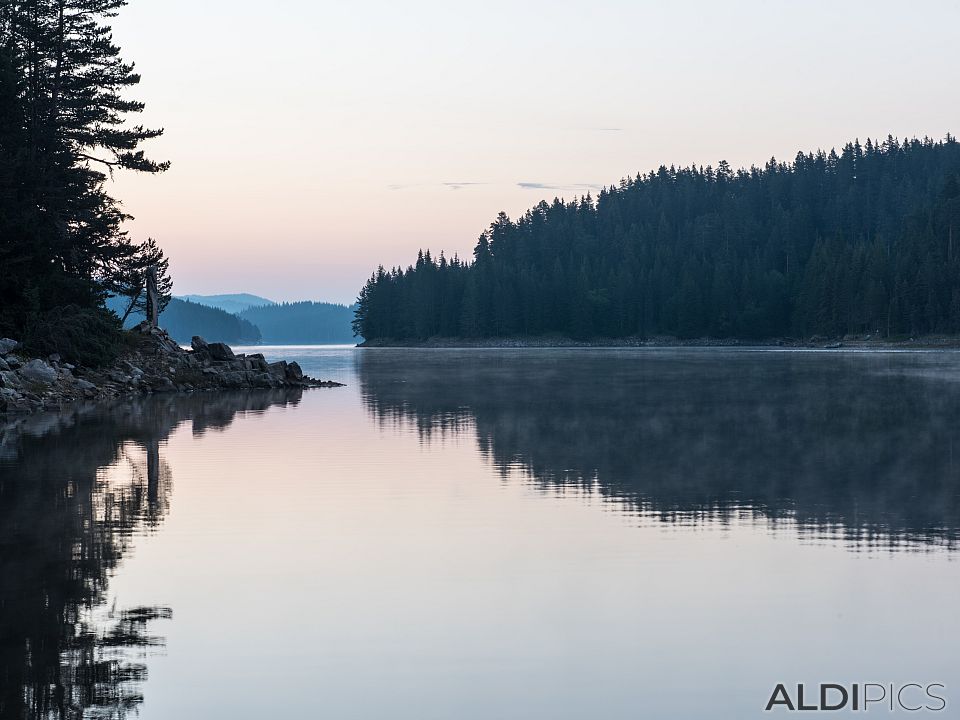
(892, 697)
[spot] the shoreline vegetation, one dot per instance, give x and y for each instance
(932, 342)
(151, 362)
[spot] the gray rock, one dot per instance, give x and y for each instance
(8, 346)
(278, 369)
(14, 361)
(262, 379)
(37, 371)
(258, 362)
(54, 358)
(198, 343)
(220, 351)
(294, 372)
(131, 368)
(10, 379)
(3, 365)
(160, 383)
(86, 385)
(233, 379)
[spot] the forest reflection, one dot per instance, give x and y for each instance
(76, 487)
(857, 449)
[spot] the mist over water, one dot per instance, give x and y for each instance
(487, 533)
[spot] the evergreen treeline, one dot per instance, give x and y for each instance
(865, 241)
(308, 323)
(63, 112)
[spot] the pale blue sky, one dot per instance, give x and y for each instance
(312, 140)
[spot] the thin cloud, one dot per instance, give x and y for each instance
(460, 185)
(448, 185)
(554, 186)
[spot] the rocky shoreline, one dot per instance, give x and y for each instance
(154, 363)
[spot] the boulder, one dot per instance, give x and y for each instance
(8, 346)
(220, 351)
(37, 371)
(3, 365)
(131, 368)
(161, 383)
(233, 379)
(198, 343)
(294, 372)
(86, 385)
(10, 379)
(278, 369)
(262, 379)
(54, 358)
(14, 361)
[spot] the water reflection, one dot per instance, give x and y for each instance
(75, 488)
(856, 448)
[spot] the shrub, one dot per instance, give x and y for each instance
(83, 336)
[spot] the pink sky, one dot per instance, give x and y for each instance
(312, 143)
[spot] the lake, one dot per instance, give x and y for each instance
(489, 534)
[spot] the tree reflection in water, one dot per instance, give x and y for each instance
(75, 488)
(852, 448)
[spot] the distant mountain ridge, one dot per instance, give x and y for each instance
(184, 319)
(304, 322)
(290, 323)
(231, 302)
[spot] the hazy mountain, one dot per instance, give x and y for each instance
(232, 303)
(303, 323)
(184, 319)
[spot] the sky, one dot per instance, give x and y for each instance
(311, 141)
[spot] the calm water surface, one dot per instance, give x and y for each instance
(488, 534)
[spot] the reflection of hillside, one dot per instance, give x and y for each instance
(74, 488)
(858, 446)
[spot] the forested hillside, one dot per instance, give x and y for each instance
(864, 241)
(231, 303)
(302, 323)
(184, 319)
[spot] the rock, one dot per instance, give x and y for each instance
(220, 351)
(3, 365)
(160, 383)
(14, 361)
(8, 346)
(294, 372)
(258, 362)
(54, 358)
(10, 379)
(198, 343)
(37, 371)
(85, 385)
(68, 366)
(233, 379)
(262, 379)
(131, 368)
(278, 369)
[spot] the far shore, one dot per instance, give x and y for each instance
(933, 342)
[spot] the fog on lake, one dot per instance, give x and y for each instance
(486, 533)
